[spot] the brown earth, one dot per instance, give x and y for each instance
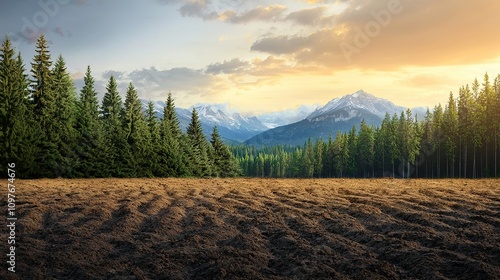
(255, 229)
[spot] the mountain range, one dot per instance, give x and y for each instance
(291, 127)
(233, 127)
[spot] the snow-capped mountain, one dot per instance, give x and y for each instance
(292, 126)
(340, 114)
(359, 100)
(233, 126)
(222, 115)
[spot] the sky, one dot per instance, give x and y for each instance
(266, 56)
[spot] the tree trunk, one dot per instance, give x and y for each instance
(460, 159)
(496, 145)
(474, 163)
(465, 162)
(426, 167)
(486, 171)
(447, 167)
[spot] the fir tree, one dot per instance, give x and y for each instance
(477, 108)
(437, 136)
(136, 132)
(120, 160)
(366, 151)
(17, 134)
(352, 147)
(496, 121)
(394, 148)
(174, 147)
(64, 118)
(318, 157)
(199, 156)
(91, 146)
(41, 84)
(225, 164)
(450, 126)
(155, 143)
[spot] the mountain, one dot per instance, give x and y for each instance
(340, 114)
(359, 100)
(233, 127)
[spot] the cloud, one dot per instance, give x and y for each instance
(197, 8)
(261, 13)
(204, 9)
(281, 44)
(311, 16)
(367, 36)
(176, 79)
(228, 67)
(167, 2)
(117, 74)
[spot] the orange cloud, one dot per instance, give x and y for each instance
(392, 34)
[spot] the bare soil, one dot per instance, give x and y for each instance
(255, 229)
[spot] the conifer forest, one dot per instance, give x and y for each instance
(51, 129)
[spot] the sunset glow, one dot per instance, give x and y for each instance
(264, 56)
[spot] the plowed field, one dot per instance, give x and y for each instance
(255, 229)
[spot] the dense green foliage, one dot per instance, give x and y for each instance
(460, 141)
(48, 130)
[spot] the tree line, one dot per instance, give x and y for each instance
(48, 130)
(460, 140)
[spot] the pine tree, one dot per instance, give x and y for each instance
(46, 110)
(464, 123)
(413, 139)
(352, 147)
(318, 157)
(366, 148)
(403, 133)
(496, 121)
(199, 154)
(488, 125)
(136, 132)
(380, 145)
(174, 147)
(225, 164)
(91, 146)
(219, 153)
(120, 160)
(64, 117)
(437, 136)
(155, 143)
(394, 149)
(17, 136)
(328, 161)
(112, 102)
(41, 82)
(307, 168)
(450, 126)
(426, 144)
(340, 154)
(477, 108)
